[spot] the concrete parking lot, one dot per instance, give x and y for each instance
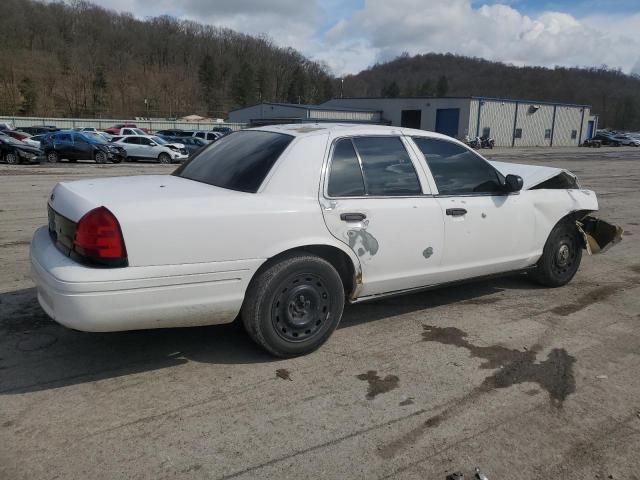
(522, 381)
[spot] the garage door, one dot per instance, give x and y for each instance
(447, 120)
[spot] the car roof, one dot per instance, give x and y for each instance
(348, 129)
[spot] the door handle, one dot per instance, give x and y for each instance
(352, 217)
(456, 212)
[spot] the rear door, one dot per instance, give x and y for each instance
(82, 149)
(132, 146)
(378, 203)
(63, 145)
(486, 230)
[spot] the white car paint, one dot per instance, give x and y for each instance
(135, 148)
(193, 248)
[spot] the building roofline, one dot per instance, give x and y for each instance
(474, 97)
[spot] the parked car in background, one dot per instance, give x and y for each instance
(152, 147)
(192, 144)
(5, 126)
(175, 132)
(207, 135)
(627, 140)
(280, 225)
(74, 146)
(222, 130)
(607, 140)
(14, 151)
(39, 130)
(37, 138)
(117, 128)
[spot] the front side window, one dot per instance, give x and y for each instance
(240, 161)
(345, 178)
(458, 170)
(387, 167)
(64, 138)
(200, 134)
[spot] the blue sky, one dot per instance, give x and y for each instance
(350, 35)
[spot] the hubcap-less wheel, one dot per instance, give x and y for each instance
(101, 157)
(301, 307)
(564, 257)
(52, 157)
(12, 158)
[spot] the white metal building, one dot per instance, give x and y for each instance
(271, 113)
(510, 122)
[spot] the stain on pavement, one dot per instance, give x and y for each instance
(377, 384)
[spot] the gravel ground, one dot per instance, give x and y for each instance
(522, 381)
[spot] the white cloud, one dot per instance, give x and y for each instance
(382, 29)
(497, 32)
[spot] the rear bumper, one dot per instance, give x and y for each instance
(131, 298)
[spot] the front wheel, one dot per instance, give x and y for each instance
(561, 256)
(100, 157)
(164, 158)
(292, 307)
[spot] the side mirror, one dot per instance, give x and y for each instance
(513, 183)
(153, 144)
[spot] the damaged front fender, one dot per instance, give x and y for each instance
(598, 234)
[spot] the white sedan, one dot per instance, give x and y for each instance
(150, 147)
(280, 225)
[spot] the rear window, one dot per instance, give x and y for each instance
(240, 161)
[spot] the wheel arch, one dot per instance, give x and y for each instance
(345, 262)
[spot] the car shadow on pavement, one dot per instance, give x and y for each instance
(38, 354)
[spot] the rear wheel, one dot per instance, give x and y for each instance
(164, 158)
(52, 156)
(292, 307)
(561, 256)
(11, 158)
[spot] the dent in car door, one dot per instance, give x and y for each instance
(486, 230)
(373, 201)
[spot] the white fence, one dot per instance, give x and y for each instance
(102, 123)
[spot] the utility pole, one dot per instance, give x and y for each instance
(341, 87)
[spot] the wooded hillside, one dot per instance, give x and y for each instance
(613, 95)
(79, 60)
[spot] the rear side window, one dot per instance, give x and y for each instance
(64, 137)
(240, 161)
(345, 179)
(387, 168)
(457, 170)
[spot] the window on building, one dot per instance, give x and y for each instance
(457, 170)
(518, 133)
(387, 167)
(486, 132)
(574, 134)
(345, 178)
(547, 133)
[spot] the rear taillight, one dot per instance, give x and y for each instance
(98, 239)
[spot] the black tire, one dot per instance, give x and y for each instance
(293, 306)
(12, 158)
(164, 158)
(100, 157)
(52, 156)
(561, 256)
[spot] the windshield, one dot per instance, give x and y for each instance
(94, 137)
(159, 141)
(239, 161)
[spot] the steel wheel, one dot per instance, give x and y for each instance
(565, 256)
(100, 157)
(300, 308)
(12, 159)
(52, 157)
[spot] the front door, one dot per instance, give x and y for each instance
(376, 202)
(486, 230)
